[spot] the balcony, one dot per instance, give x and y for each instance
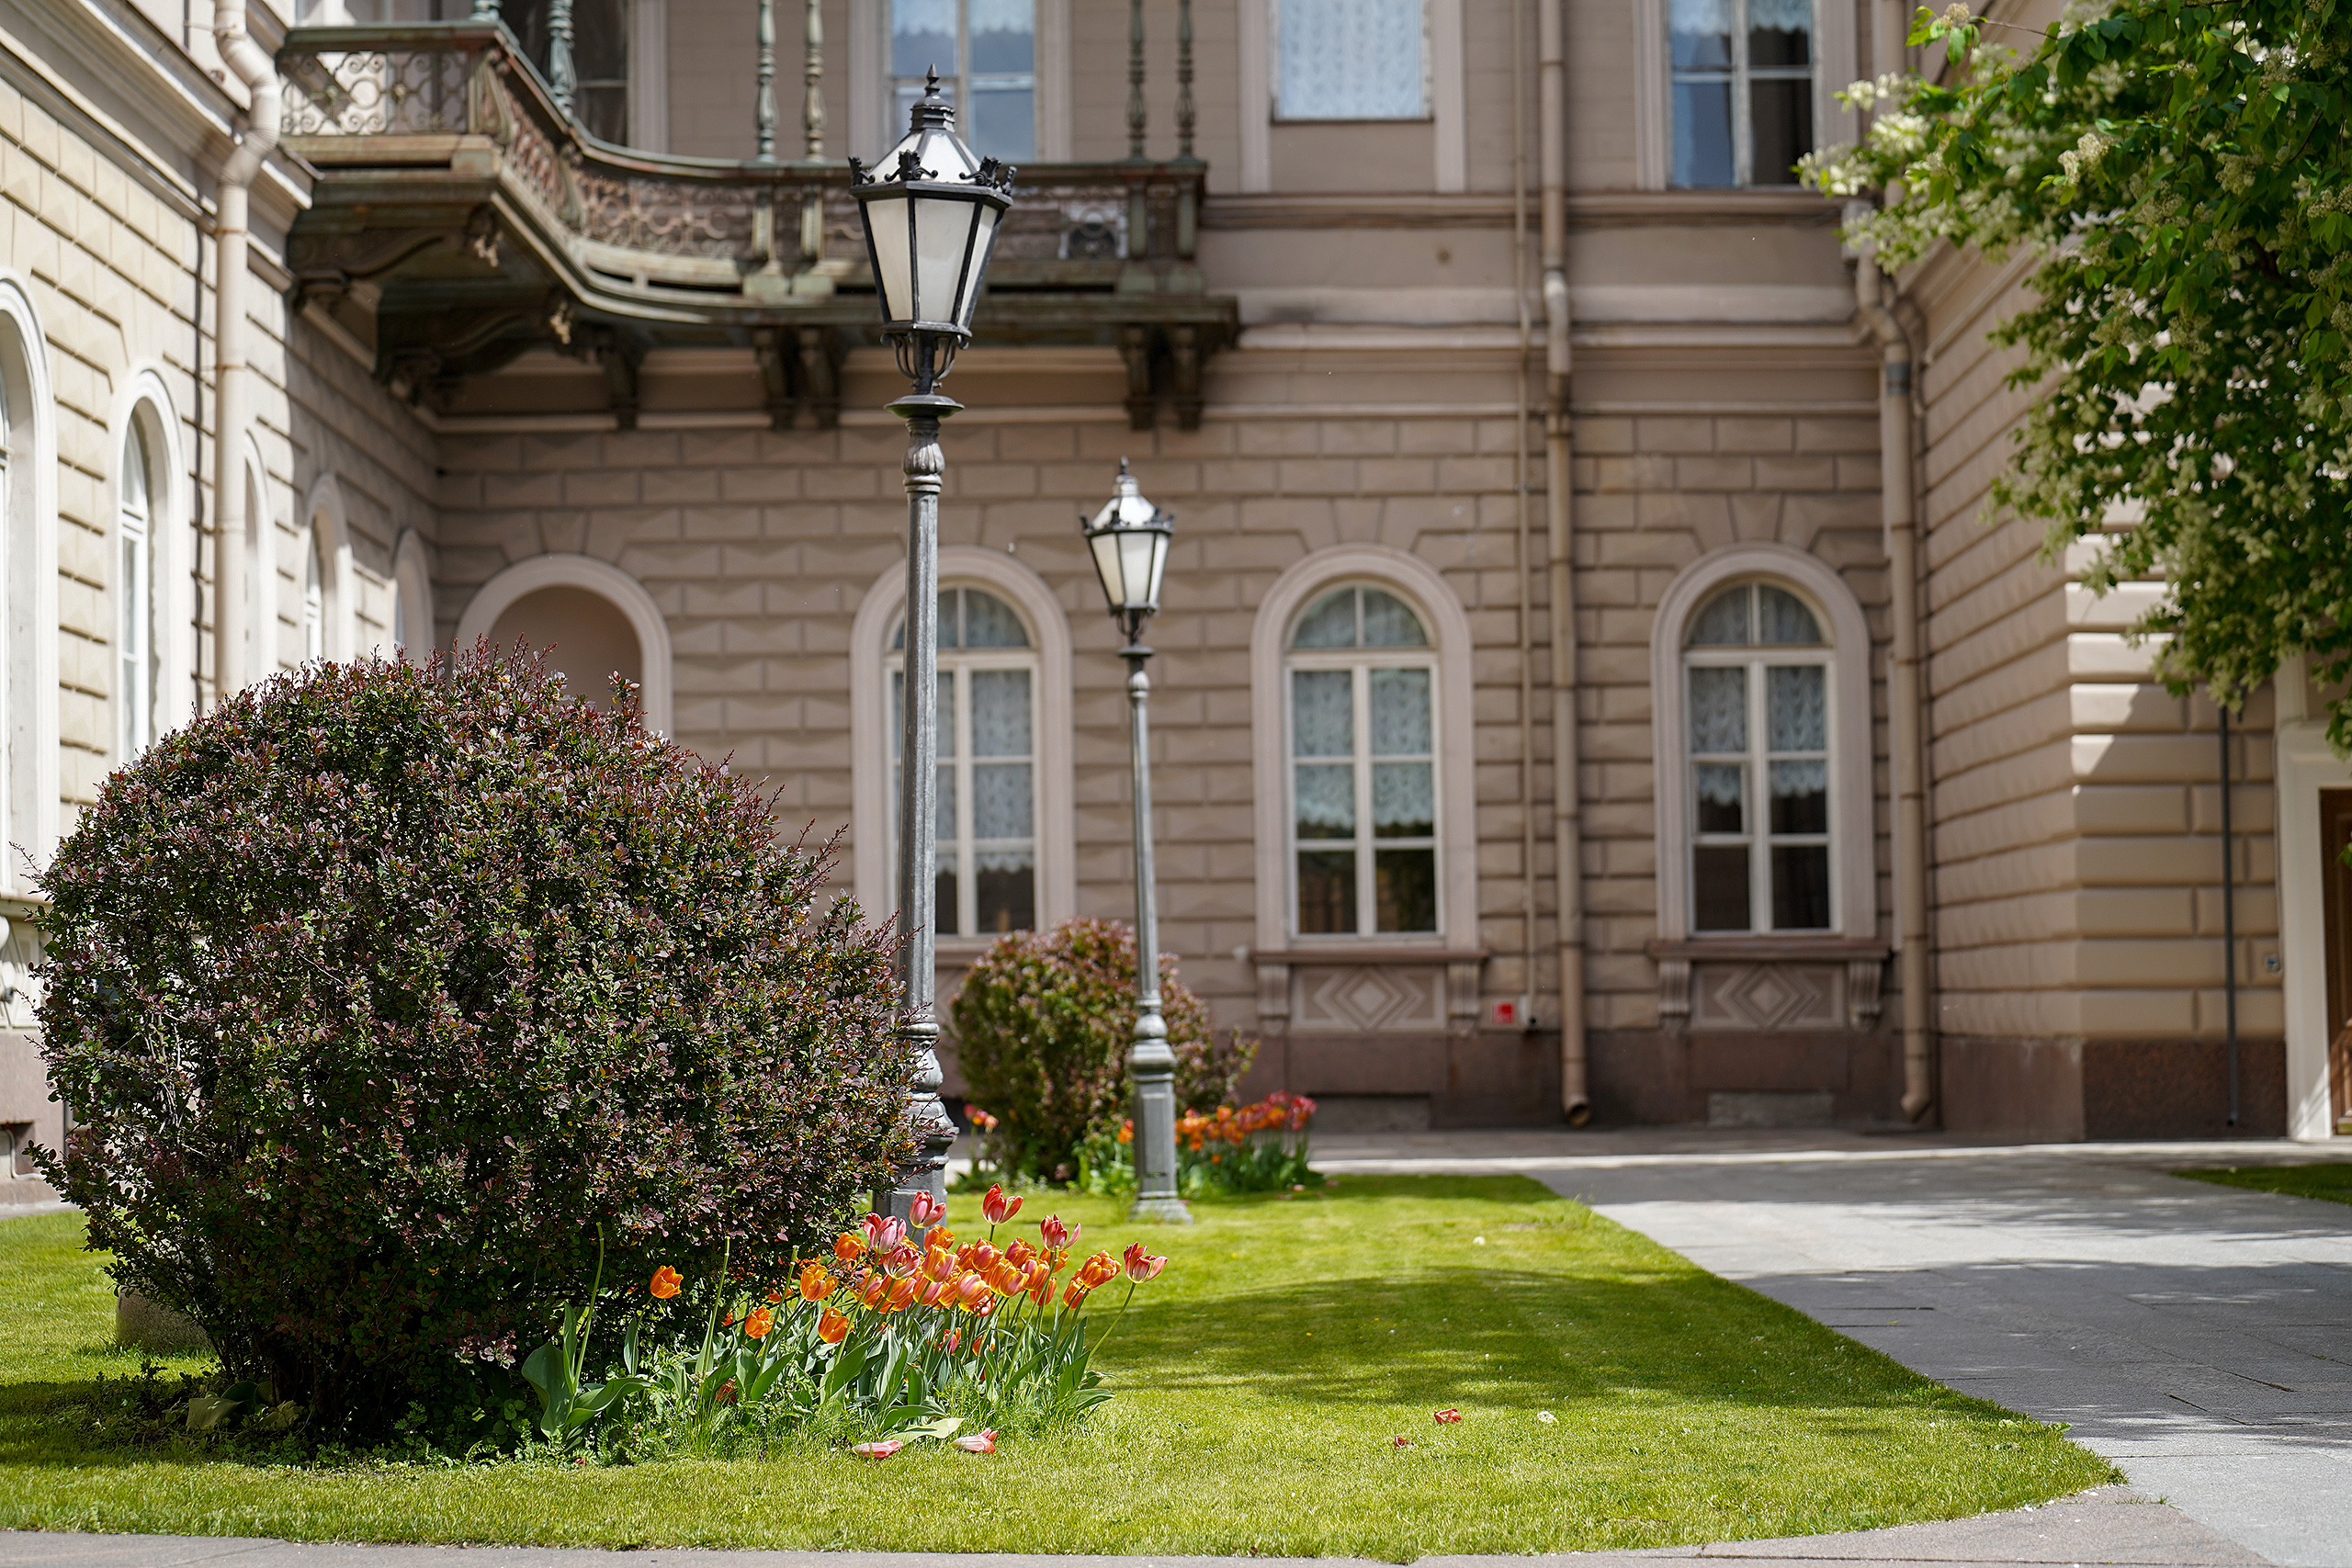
(462, 217)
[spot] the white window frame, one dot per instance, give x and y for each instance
(28, 661)
(1422, 589)
(1442, 60)
(1853, 867)
(1360, 662)
(563, 569)
(956, 668)
(875, 125)
(145, 404)
(411, 599)
(873, 802)
(138, 620)
(1833, 68)
(324, 542)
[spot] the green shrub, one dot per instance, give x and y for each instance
(1043, 1026)
(382, 994)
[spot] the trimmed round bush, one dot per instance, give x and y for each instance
(1043, 1026)
(384, 996)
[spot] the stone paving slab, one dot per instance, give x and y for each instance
(2197, 1335)
(2111, 1525)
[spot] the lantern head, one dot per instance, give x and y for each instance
(1129, 538)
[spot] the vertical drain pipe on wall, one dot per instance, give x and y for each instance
(1567, 822)
(1522, 491)
(2229, 918)
(232, 596)
(1906, 726)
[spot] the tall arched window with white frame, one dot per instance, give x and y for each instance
(1361, 677)
(1760, 738)
(137, 612)
(987, 763)
(314, 596)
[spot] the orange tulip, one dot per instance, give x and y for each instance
(938, 1236)
(901, 1291)
(815, 1283)
(1075, 1296)
(932, 1292)
(970, 1288)
(849, 1247)
(984, 1257)
(938, 1265)
(833, 1327)
(1007, 1280)
(872, 1291)
(666, 1281)
(759, 1323)
(1020, 1252)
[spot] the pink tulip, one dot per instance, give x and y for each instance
(902, 1261)
(925, 1211)
(1056, 1233)
(978, 1442)
(929, 1295)
(878, 1451)
(971, 1288)
(1142, 1265)
(999, 1208)
(882, 1234)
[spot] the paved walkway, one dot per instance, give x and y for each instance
(2200, 1336)
(2110, 1525)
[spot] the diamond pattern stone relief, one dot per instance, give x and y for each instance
(1768, 996)
(1360, 998)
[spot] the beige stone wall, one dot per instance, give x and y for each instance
(2076, 805)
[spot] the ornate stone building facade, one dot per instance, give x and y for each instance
(1587, 685)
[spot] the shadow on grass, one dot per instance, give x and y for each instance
(1513, 1338)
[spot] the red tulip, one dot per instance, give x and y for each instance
(970, 1288)
(998, 1207)
(1056, 1233)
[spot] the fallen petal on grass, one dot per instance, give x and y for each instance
(878, 1451)
(978, 1442)
(1547, 1418)
(1448, 1417)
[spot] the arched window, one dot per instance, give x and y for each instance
(1757, 733)
(28, 618)
(314, 599)
(413, 631)
(1360, 682)
(598, 619)
(987, 763)
(138, 633)
(1760, 703)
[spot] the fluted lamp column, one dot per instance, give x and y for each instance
(1129, 538)
(930, 211)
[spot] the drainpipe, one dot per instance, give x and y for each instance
(1567, 835)
(232, 204)
(1906, 721)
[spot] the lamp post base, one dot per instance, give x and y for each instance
(1161, 1211)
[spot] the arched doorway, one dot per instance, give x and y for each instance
(583, 633)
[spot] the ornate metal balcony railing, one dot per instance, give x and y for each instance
(396, 109)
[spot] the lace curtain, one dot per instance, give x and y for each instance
(1322, 708)
(1797, 707)
(1718, 711)
(1350, 59)
(1400, 712)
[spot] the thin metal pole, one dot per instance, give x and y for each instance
(918, 803)
(1135, 79)
(2229, 921)
(1184, 115)
(1150, 1063)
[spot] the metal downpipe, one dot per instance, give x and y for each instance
(231, 557)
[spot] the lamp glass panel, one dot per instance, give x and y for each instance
(1159, 565)
(1107, 567)
(1136, 572)
(886, 219)
(983, 240)
(941, 225)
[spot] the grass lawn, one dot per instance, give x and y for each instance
(2331, 1179)
(1262, 1380)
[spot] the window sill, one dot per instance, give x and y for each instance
(1356, 950)
(1766, 949)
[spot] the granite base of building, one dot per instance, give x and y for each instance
(2111, 1088)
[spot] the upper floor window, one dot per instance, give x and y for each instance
(136, 612)
(986, 54)
(986, 816)
(600, 40)
(1759, 746)
(1350, 60)
(1361, 677)
(1743, 90)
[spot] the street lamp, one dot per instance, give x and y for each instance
(931, 212)
(1129, 540)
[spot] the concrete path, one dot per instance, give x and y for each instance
(2200, 1336)
(2112, 1525)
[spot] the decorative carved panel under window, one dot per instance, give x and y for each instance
(1763, 985)
(1368, 991)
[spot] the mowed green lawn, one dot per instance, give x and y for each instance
(2330, 1179)
(1263, 1380)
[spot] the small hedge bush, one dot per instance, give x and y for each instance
(1043, 1026)
(383, 994)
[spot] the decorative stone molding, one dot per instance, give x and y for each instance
(1766, 983)
(1368, 990)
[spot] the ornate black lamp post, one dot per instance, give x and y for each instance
(1129, 538)
(931, 211)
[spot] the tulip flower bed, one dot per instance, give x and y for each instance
(1391, 1367)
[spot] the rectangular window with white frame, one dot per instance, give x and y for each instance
(986, 54)
(1350, 60)
(1742, 99)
